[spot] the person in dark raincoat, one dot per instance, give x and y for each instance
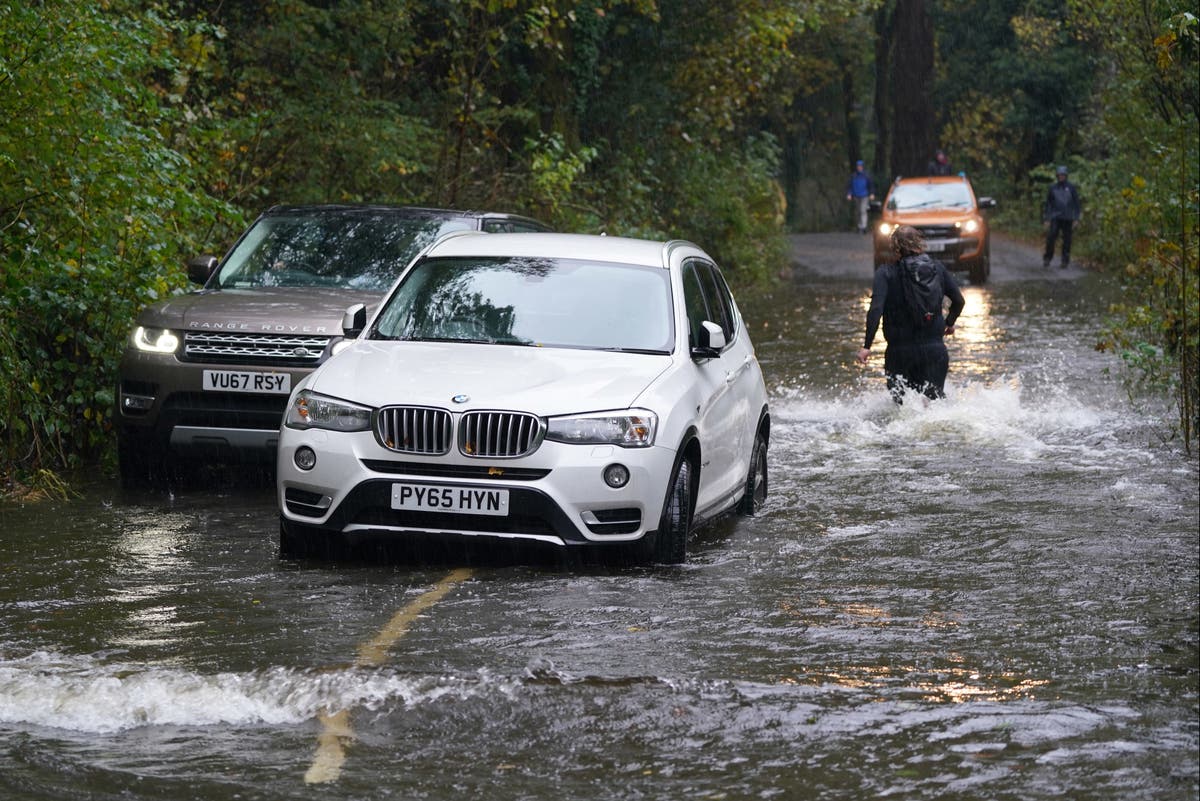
(1060, 213)
(908, 296)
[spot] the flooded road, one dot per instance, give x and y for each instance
(992, 597)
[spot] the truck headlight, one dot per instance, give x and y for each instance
(312, 410)
(155, 340)
(628, 428)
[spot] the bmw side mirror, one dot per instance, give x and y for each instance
(712, 341)
(354, 320)
(987, 202)
(200, 269)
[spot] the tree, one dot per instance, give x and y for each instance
(912, 126)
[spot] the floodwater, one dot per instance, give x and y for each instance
(989, 597)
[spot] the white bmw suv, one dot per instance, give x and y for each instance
(569, 389)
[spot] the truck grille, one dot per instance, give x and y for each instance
(253, 348)
(499, 434)
(414, 429)
(938, 231)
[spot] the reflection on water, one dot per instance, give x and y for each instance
(150, 570)
(978, 339)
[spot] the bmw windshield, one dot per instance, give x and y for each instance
(362, 251)
(562, 303)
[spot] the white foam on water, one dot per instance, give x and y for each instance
(1078, 432)
(89, 694)
(848, 532)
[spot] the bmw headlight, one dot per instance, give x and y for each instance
(312, 410)
(155, 340)
(629, 428)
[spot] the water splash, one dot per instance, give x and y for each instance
(90, 694)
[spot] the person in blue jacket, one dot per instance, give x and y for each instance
(1060, 213)
(861, 190)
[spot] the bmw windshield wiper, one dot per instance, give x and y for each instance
(647, 351)
(468, 340)
(448, 339)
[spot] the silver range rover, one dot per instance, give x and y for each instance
(205, 376)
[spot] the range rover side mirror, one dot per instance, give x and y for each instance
(712, 341)
(200, 269)
(354, 320)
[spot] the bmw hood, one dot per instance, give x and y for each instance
(280, 310)
(542, 381)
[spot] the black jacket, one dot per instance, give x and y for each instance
(1062, 202)
(888, 302)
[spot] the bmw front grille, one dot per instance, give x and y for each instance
(499, 434)
(484, 435)
(414, 429)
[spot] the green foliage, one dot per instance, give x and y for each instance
(1016, 68)
(554, 171)
(96, 207)
(730, 204)
(1149, 209)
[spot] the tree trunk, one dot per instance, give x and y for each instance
(850, 115)
(883, 94)
(912, 76)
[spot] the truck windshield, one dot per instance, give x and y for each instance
(564, 303)
(910, 197)
(354, 250)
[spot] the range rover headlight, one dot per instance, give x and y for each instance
(628, 428)
(312, 410)
(155, 340)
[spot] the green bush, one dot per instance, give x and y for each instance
(100, 205)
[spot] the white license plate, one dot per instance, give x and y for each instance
(247, 381)
(935, 247)
(459, 500)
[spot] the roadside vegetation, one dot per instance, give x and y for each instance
(137, 133)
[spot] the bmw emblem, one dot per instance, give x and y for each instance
(461, 398)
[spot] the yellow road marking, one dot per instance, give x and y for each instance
(335, 725)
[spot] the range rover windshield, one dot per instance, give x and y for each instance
(911, 197)
(562, 303)
(357, 250)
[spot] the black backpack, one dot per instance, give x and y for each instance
(921, 278)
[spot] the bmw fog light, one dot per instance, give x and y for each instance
(616, 475)
(305, 458)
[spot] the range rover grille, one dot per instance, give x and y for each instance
(258, 348)
(414, 429)
(499, 434)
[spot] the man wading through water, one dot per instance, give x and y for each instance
(908, 295)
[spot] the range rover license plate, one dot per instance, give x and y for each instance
(457, 500)
(247, 381)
